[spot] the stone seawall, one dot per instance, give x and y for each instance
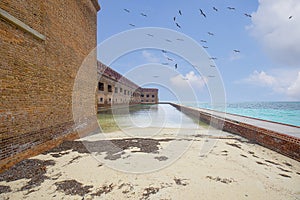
(281, 143)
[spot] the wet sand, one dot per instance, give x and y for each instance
(163, 166)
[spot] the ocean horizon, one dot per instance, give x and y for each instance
(286, 112)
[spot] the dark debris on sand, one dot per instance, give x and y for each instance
(179, 181)
(4, 189)
(148, 191)
(161, 158)
(234, 145)
(33, 169)
(72, 187)
(104, 190)
(272, 162)
(222, 180)
(113, 148)
(284, 175)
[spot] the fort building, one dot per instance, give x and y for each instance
(43, 44)
(115, 89)
(149, 95)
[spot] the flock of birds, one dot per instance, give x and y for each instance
(178, 25)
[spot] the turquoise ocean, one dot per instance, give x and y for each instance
(282, 112)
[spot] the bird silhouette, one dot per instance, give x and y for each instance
(247, 15)
(203, 41)
(164, 51)
(205, 47)
(213, 58)
(236, 51)
(132, 25)
(211, 76)
(174, 19)
(202, 13)
(168, 40)
(212, 66)
(179, 39)
(150, 35)
(215, 9)
(290, 17)
(179, 11)
(231, 8)
(178, 25)
(176, 66)
(210, 33)
(170, 59)
(126, 10)
(165, 63)
(155, 76)
(143, 14)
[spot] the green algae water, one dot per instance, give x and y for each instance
(145, 116)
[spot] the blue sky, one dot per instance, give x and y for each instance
(267, 68)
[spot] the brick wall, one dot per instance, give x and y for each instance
(123, 91)
(37, 76)
(281, 143)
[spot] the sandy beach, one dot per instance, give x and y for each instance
(156, 167)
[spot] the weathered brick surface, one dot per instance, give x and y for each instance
(37, 76)
(281, 143)
(123, 91)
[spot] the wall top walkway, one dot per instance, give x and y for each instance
(269, 125)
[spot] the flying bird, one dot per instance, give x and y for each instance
(155, 76)
(236, 51)
(150, 35)
(170, 59)
(143, 14)
(179, 11)
(165, 63)
(179, 39)
(176, 66)
(202, 13)
(247, 15)
(205, 47)
(132, 25)
(215, 9)
(174, 19)
(203, 41)
(290, 17)
(126, 10)
(211, 76)
(231, 8)
(164, 51)
(168, 40)
(212, 66)
(210, 33)
(213, 58)
(178, 25)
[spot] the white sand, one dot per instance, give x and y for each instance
(221, 174)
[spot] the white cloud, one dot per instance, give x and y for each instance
(150, 57)
(261, 78)
(294, 89)
(190, 80)
(285, 83)
(280, 36)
